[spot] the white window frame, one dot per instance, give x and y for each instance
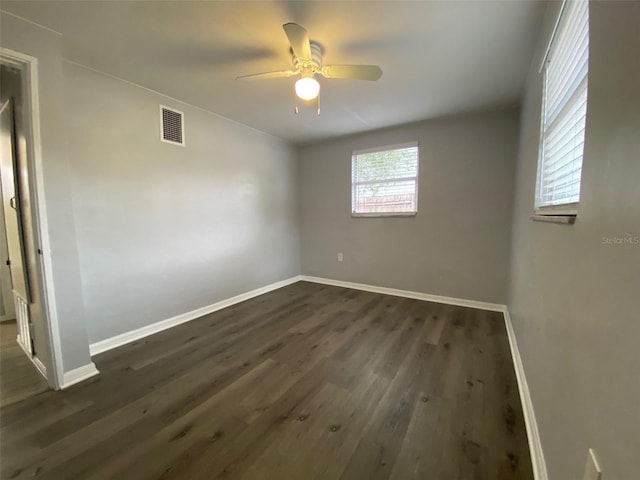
(567, 209)
(387, 148)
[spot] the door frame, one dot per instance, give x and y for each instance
(5, 277)
(28, 66)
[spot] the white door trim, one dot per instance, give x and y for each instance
(29, 67)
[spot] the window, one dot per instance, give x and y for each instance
(564, 111)
(384, 181)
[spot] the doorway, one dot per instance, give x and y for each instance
(24, 347)
(7, 307)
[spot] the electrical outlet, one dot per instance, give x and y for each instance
(592, 470)
(340, 257)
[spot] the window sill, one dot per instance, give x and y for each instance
(563, 219)
(381, 214)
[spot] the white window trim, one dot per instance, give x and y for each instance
(568, 209)
(554, 32)
(385, 148)
(384, 214)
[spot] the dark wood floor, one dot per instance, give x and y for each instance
(306, 382)
(19, 378)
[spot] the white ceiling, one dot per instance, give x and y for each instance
(438, 57)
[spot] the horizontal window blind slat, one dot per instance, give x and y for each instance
(567, 175)
(568, 55)
(372, 182)
(573, 18)
(571, 32)
(565, 108)
(375, 188)
(562, 63)
(566, 95)
(558, 156)
(567, 169)
(385, 181)
(571, 114)
(560, 200)
(560, 191)
(565, 139)
(566, 70)
(576, 103)
(567, 91)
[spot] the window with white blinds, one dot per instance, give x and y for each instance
(384, 181)
(564, 109)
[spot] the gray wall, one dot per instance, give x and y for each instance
(458, 244)
(574, 298)
(45, 46)
(163, 229)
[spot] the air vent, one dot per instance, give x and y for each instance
(171, 126)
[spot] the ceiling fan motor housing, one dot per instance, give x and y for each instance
(307, 62)
(309, 66)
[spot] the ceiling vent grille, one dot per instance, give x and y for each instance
(171, 126)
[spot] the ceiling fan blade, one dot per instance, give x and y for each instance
(356, 72)
(262, 76)
(299, 40)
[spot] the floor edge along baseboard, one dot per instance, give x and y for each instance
(535, 446)
(460, 302)
(78, 375)
(138, 333)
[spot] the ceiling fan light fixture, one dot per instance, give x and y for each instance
(307, 88)
(306, 56)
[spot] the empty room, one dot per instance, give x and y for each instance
(331, 240)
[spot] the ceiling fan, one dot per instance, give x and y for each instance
(307, 62)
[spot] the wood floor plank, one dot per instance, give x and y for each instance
(191, 433)
(305, 382)
(19, 378)
(380, 444)
(330, 425)
(234, 457)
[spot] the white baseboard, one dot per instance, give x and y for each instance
(535, 445)
(40, 366)
(35, 360)
(128, 337)
(24, 349)
(79, 374)
(460, 302)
